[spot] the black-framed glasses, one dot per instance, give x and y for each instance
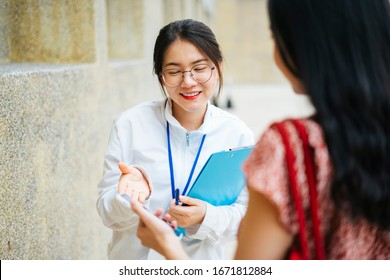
(201, 73)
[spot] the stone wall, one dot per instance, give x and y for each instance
(67, 68)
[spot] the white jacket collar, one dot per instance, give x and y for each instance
(204, 128)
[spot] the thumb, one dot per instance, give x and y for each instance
(124, 168)
(146, 217)
(189, 200)
(138, 208)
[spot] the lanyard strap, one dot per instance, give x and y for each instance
(171, 164)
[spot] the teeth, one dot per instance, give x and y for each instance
(191, 94)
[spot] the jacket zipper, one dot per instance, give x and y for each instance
(188, 138)
(184, 160)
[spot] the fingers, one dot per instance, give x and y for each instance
(142, 197)
(124, 168)
(137, 195)
(148, 219)
(122, 187)
(138, 208)
(141, 211)
(134, 193)
(169, 220)
(158, 212)
(178, 211)
(133, 183)
(189, 200)
(188, 215)
(167, 217)
(174, 224)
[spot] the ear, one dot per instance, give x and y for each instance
(161, 80)
(162, 85)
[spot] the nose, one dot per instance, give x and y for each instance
(188, 81)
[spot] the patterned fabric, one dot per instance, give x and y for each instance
(266, 172)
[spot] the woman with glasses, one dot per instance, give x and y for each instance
(157, 149)
(338, 53)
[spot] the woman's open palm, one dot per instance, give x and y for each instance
(133, 183)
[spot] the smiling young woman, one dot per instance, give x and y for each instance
(319, 187)
(157, 148)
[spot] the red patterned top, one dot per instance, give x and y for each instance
(266, 172)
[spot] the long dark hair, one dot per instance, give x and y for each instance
(340, 50)
(193, 31)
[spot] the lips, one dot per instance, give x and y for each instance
(190, 95)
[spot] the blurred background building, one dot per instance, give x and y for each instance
(67, 68)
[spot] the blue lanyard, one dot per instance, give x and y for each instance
(171, 164)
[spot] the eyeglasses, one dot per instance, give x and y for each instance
(201, 73)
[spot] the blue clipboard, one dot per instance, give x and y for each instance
(221, 179)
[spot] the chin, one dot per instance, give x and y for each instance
(298, 89)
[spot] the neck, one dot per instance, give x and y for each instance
(189, 120)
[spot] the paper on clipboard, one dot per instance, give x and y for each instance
(221, 179)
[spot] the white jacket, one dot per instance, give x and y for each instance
(138, 137)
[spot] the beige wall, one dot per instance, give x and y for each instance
(67, 68)
(242, 28)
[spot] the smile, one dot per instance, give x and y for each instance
(190, 95)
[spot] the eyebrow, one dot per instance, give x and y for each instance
(194, 62)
